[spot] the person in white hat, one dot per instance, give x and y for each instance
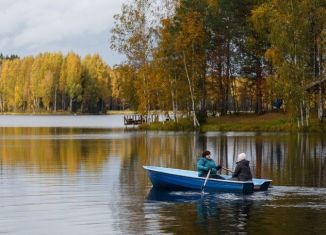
(242, 170)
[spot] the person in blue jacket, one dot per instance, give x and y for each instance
(206, 163)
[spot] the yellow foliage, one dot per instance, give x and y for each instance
(273, 55)
(259, 17)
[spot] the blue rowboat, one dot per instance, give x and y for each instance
(170, 178)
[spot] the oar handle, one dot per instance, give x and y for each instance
(202, 187)
(227, 169)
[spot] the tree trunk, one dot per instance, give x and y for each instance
(320, 105)
(55, 99)
(1, 104)
(259, 102)
(203, 107)
(259, 96)
(70, 105)
(102, 105)
(173, 99)
(228, 75)
(196, 123)
(234, 97)
(221, 92)
(63, 101)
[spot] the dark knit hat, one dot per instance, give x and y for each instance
(205, 153)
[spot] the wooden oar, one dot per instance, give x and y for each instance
(203, 186)
(227, 169)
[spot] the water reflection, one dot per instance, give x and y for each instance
(287, 159)
(283, 210)
(214, 212)
(91, 181)
(210, 208)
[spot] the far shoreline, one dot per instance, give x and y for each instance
(268, 122)
(59, 113)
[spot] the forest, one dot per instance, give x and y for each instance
(198, 58)
(52, 82)
(216, 57)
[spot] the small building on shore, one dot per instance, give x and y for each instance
(318, 88)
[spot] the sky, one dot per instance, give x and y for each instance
(29, 27)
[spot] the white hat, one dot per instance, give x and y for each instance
(241, 157)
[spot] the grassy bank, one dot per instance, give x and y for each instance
(270, 122)
(266, 122)
(181, 125)
(121, 112)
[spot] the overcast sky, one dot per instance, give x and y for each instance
(28, 27)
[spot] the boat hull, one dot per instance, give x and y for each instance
(169, 178)
(259, 184)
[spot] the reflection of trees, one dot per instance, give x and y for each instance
(295, 159)
(233, 214)
(225, 215)
(223, 153)
(259, 153)
(50, 150)
(168, 149)
(287, 159)
(202, 140)
(305, 162)
(208, 214)
(154, 148)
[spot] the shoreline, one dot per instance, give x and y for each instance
(269, 122)
(114, 112)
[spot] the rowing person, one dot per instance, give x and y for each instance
(206, 163)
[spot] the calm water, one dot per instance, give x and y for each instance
(91, 181)
(84, 121)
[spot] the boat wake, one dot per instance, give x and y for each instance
(278, 196)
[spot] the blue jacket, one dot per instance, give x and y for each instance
(204, 164)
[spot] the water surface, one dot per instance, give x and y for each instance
(91, 181)
(84, 121)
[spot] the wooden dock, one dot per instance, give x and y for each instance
(137, 119)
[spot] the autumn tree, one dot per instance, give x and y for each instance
(288, 26)
(22, 87)
(125, 86)
(96, 84)
(41, 82)
(73, 78)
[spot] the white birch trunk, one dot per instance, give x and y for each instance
(196, 123)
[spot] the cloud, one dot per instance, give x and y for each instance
(32, 26)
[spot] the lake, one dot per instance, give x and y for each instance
(87, 178)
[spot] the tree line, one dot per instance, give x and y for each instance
(193, 55)
(53, 82)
